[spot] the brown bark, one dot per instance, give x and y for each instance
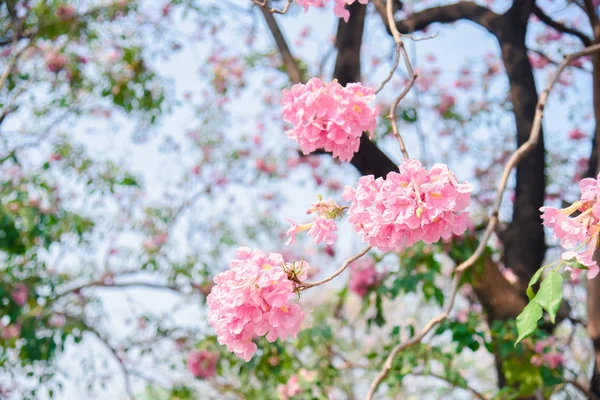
(593, 286)
(524, 243)
(290, 64)
(369, 159)
(560, 26)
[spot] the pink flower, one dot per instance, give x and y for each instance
(55, 61)
(295, 228)
(410, 206)
(54, 157)
(265, 167)
(329, 116)
(447, 101)
(323, 227)
(363, 276)
(255, 297)
(307, 376)
(554, 360)
(568, 230)
(462, 316)
(547, 353)
(202, 364)
(339, 7)
(291, 388)
(65, 12)
(584, 259)
(57, 321)
(323, 230)
(19, 294)
(537, 61)
(10, 332)
(156, 241)
(579, 231)
(576, 134)
(536, 360)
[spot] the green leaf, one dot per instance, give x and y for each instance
(534, 279)
(550, 294)
(129, 181)
(527, 320)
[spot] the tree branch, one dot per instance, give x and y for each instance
(102, 284)
(273, 10)
(412, 76)
(469, 389)
(291, 66)
(369, 159)
(444, 14)
(345, 264)
(515, 158)
(113, 351)
(545, 18)
(590, 10)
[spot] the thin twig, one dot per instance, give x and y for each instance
(273, 10)
(515, 158)
(387, 366)
(291, 66)
(582, 389)
(394, 68)
(523, 150)
(105, 342)
(560, 27)
(345, 264)
(442, 378)
(411, 80)
(11, 63)
(101, 284)
(553, 62)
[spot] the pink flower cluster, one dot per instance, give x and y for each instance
(19, 294)
(203, 363)
(255, 297)
(410, 206)
(547, 353)
(292, 387)
(323, 227)
(581, 230)
(339, 8)
(363, 276)
(329, 116)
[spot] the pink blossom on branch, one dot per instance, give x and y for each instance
(329, 116)
(363, 276)
(580, 231)
(576, 134)
(19, 294)
(323, 228)
(255, 297)
(547, 353)
(202, 364)
(339, 7)
(410, 206)
(292, 387)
